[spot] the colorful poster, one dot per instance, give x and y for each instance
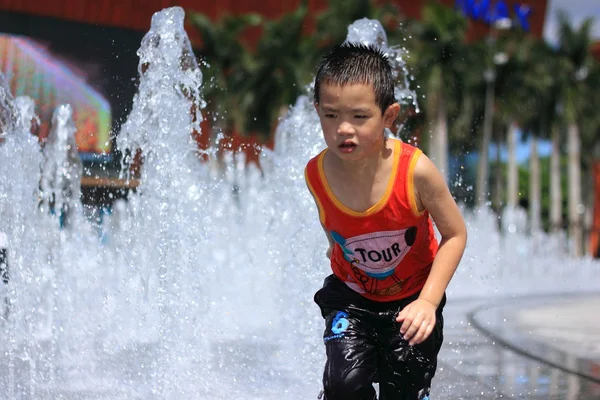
(33, 71)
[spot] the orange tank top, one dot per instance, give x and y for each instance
(384, 253)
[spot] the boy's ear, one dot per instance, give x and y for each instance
(316, 106)
(390, 114)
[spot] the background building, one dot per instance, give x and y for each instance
(84, 51)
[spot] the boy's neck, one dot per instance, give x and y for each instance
(366, 167)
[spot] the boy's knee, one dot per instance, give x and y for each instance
(347, 384)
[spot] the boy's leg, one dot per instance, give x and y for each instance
(349, 342)
(351, 358)
(405, 372)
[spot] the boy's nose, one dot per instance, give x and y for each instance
(345, 128)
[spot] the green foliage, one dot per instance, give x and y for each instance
(225, 63)
(278, 71)
(248, 88)
(575, 62)
(332, 23)
(437, 50)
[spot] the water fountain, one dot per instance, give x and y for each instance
(60, 184)
(199, 291)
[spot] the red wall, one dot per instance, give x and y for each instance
(136, 14)
(596, 50)
(595, 234)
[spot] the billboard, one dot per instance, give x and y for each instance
(31, 70)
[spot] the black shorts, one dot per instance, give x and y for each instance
(364, 345)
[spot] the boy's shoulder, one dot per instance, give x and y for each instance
(311, 171)
(405, 146)
(315, 160)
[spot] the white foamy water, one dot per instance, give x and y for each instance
(200, 290)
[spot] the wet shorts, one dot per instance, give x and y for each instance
(364, 345)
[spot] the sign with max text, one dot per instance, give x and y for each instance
(490, 11)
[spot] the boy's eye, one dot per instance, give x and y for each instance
(360, 116)
(329, 115)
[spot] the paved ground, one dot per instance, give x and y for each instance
(517, 349)
(527, 348)
(571, 326)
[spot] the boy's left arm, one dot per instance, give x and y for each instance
(432, 194)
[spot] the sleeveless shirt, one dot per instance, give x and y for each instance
(384, 253)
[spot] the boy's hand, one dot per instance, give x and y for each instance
(328, 253)
(418, 320)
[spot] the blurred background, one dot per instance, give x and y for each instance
(507, 89)
(137, 243)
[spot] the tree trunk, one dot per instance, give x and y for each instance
(535, 192)
(499, 181)
(589, 196)
(575, 204)
(588, 220)
(439, 140)
(555, 184)
(513, 167)
(483, 165)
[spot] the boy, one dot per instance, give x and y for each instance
(383, 304)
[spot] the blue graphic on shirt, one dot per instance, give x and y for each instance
(348, 254)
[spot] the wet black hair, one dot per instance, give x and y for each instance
(355, 63)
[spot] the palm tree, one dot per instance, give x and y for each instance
(280, 67)
(487, 57)
(545, 71)
(332, 23)
(437, 52)
(544, 120)
(575, 58)
(510, 94)
(225, 65)
(486, 76)
(538, 105)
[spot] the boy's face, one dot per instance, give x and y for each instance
(352, 122)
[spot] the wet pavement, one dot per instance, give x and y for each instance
(526, 348)
(496, 355)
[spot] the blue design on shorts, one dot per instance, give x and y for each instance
(339, 325)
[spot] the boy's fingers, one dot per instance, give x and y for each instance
(424, 332)
(416, 339)
(414, 327)
(401, 315)
(405, 325)
(421, 334)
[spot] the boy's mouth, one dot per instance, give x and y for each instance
(347, 146)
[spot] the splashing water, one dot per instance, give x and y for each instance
(19, 159)
(371, 32)
(62, 169)
(200, 290)
(8, 113)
